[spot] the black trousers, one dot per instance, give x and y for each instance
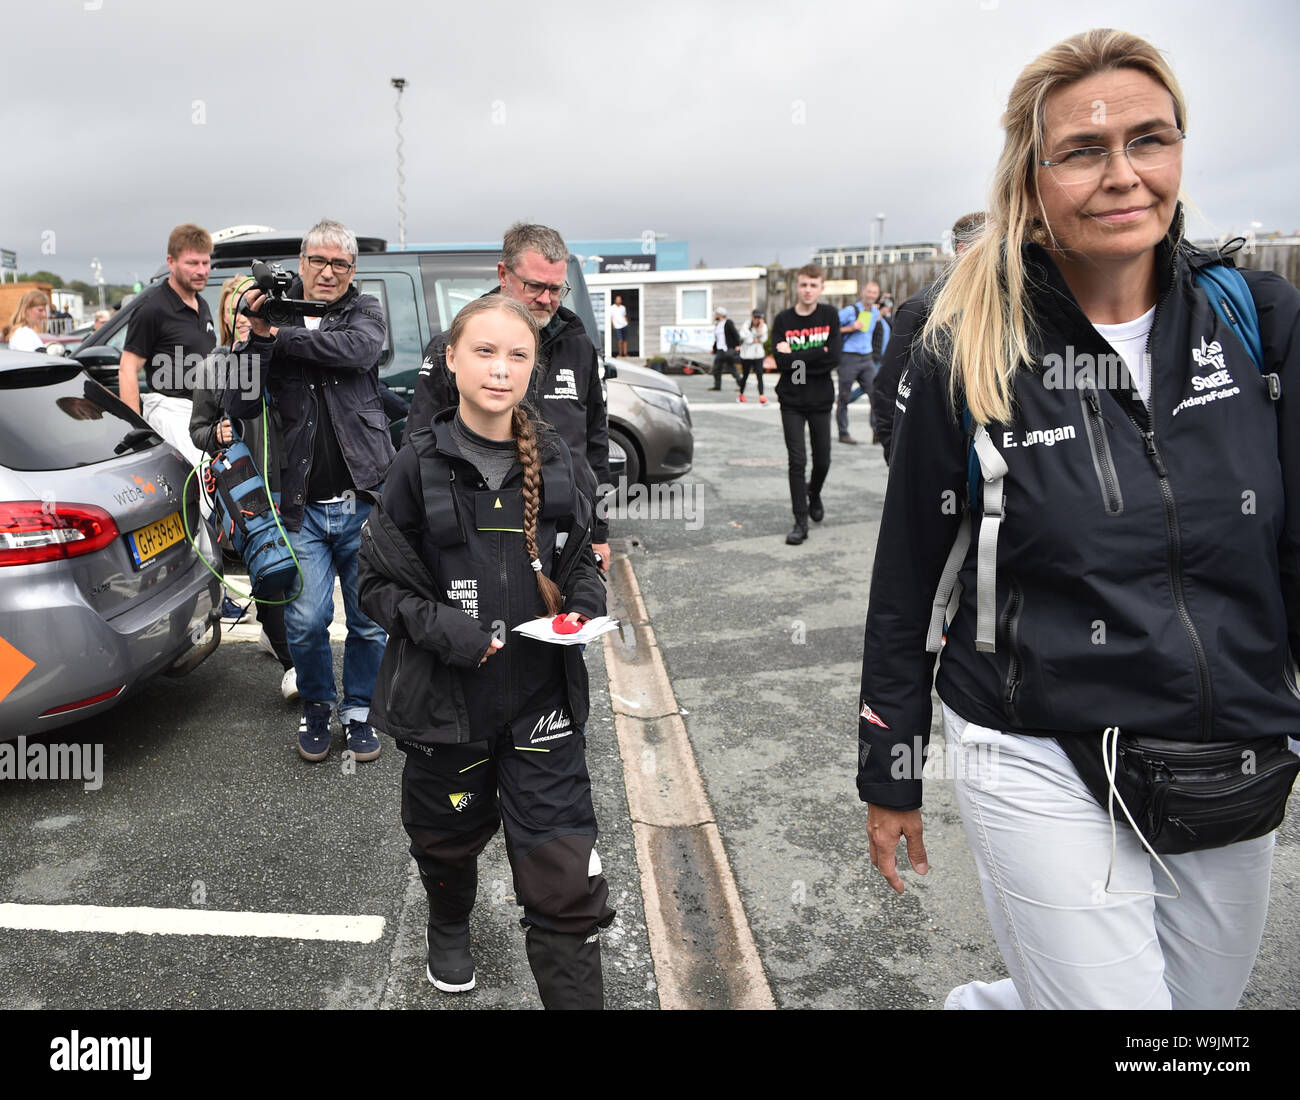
(271, 616)
(725, 360)
(455, 796)
(819, 431)
(755, 365)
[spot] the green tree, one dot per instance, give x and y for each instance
(55, 281)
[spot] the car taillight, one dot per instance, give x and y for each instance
(34, 531)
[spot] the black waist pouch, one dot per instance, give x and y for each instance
(1186, 796)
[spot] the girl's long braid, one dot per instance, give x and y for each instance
(526, 442)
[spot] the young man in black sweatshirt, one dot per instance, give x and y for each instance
(806, 347)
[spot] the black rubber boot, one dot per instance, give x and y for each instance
(450, 965)
(566, 967)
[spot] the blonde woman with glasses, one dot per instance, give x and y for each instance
(1133, 563)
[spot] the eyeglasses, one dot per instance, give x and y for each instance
(536, 290)
(1086, 165)
(339, 267)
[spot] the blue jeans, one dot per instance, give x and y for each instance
(326, 545)
(859, 369)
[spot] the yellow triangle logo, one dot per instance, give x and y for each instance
(455, 798)
(498, 503)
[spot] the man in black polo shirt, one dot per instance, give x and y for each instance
(170, 324)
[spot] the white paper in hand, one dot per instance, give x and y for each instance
(544, 630)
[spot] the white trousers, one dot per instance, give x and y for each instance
(1042, 846)
(170, 418)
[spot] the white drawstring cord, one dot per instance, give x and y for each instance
(1110, 758)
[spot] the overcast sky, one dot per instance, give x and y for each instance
(752, 130)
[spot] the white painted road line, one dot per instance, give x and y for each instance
(190, 922)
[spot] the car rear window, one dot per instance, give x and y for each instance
(57, 418)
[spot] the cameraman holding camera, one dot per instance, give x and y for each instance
(320, 375)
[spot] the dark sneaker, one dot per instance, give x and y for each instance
(816, 512)
(848, 439)
(314, 731)
(797, 534)
(362, 741)
(231, 610)
(450, 966)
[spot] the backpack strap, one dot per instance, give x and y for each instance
(1232, 301)
(994, 469)
(985, 464)
(438, 485)
(947, 597)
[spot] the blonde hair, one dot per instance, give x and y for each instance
(19, 318)
(979, 322)
(230, 291)
(524, 428)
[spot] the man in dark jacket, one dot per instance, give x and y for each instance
(321, 377)
(566, 388)
(725, 342)
(909, 320)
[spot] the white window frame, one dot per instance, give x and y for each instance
(682, 319)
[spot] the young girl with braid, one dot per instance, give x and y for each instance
(481, 528)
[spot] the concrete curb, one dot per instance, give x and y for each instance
(703, 950)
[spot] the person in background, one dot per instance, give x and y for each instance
(101, 317)
(907, 321)
(321, 375)
(753, 337)
(566, 390)
(27, 323)
(725, 342)
(806, 347)
(211, 430)
(618, 321)
(170, 323)
(860, 354)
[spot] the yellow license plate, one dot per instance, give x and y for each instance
(149, 542)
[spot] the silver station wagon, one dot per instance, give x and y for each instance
(100, 588)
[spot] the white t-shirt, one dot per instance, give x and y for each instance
(618, 316)
(311, 322)
(1129, 339)
(24, 338)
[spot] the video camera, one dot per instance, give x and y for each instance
(279, 308)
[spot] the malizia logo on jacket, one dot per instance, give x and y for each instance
(551, 727)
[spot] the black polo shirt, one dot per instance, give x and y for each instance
(164, 328)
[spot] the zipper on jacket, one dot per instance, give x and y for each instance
(1173, 539)
(1009, 629)
(392, 683)
(1102, 462)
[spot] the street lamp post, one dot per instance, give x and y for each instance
(400, 84)
(880, 238)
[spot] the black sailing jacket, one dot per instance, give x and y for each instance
(437, 584)
(1148, 575)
